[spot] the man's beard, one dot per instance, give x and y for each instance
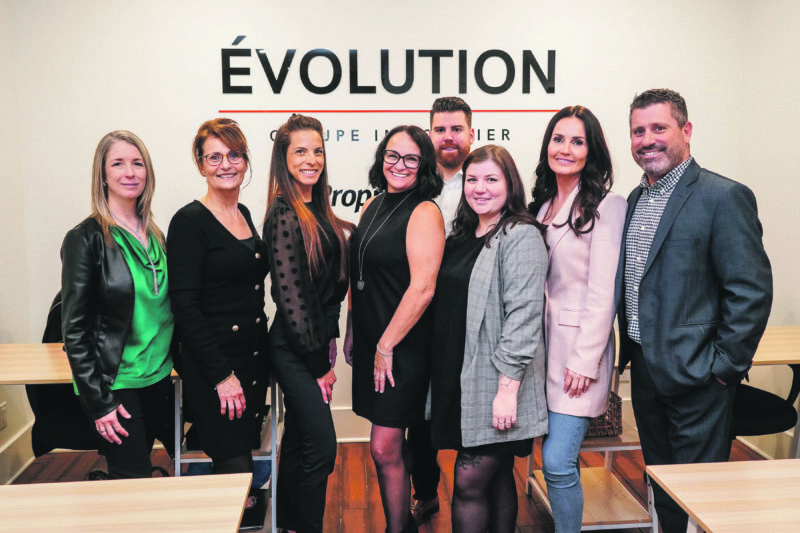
(450, 160)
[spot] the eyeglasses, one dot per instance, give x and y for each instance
(409, 160)
(234, 158)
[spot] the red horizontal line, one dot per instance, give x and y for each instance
(379, 110)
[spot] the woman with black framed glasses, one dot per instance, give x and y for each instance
(217, 273)
(394, 261)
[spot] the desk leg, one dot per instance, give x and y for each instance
(178, 422)
(608, 460)
(277, 414)
(651, 506)
(529, 475)
(796, 440)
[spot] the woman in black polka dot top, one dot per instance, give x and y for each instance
(308, 251)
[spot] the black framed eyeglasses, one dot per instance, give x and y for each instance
(409, 160)
(234, 158)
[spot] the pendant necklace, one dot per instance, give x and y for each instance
(135, 233)
(362, 246)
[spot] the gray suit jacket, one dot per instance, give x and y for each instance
(706, 292)
(504, 335)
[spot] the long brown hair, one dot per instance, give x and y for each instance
(281, 183)
(100, 210)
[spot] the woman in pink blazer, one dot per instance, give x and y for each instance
(583, 221)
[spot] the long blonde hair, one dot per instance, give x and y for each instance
(100, 210)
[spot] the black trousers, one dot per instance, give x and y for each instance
(308, 447)
(693, 427)
(147, 406)
(424, 464)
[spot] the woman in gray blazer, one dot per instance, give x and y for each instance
(488, 374)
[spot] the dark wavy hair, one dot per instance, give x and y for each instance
(429, 180)
(466, 220)
(281, 183)
(596, 178)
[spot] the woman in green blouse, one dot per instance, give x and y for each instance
(116, 317)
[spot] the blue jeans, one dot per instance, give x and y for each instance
(561, 469)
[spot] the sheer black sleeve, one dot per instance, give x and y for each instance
(293, 290)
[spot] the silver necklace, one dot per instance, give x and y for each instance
(362, 246)
(135, 233)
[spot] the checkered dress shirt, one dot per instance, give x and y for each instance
(641, 229)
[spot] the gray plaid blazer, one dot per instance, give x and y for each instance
(505, 335)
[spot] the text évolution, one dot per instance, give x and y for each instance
(237, 78)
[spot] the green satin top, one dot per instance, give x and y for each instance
(146, 358)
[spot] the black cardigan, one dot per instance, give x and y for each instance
(216, 286)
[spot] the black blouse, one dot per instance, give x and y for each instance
(308, 304)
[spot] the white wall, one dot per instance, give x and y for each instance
(14, 299)
(769, 110)
(73, 71)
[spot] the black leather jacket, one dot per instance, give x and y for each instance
(98, 297)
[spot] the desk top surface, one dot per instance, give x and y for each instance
(34, 364)
(779, 345)
(743, 496)
(198, 503)
(22, 364)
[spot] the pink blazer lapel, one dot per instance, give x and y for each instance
(558, 227)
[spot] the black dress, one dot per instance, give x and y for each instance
(449, 316)
(449, 319)
(216, 285)
(379, 260)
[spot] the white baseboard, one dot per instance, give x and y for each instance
(16, 455)
(349, 426)
(777, 446)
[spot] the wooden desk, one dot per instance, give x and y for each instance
(735, 497)
(779, 345)
(33, 364)
(43, 364)
(199, 504)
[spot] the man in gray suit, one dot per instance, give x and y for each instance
(694, 289)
